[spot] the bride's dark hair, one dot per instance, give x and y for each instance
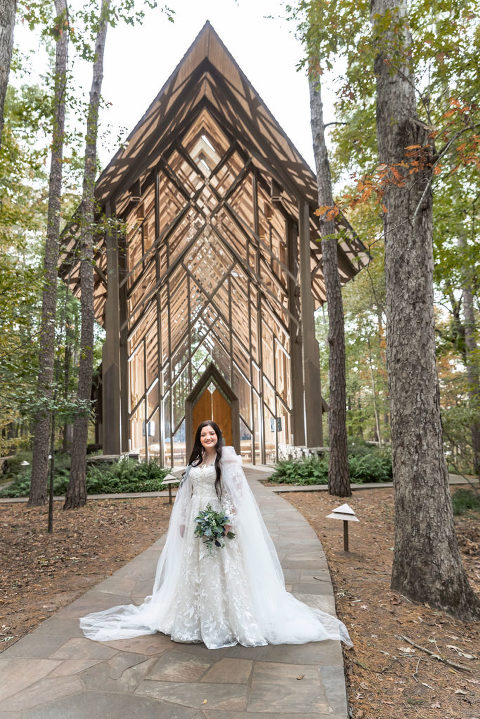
(196, 456)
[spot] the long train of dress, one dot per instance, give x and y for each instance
(235, 594)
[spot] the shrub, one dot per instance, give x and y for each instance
(359, 448)
(14, 464)
(127, 475)
(310, 470)
(373, 467)
(464, 500)
(366, 464)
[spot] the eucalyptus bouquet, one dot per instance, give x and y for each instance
(211, 526)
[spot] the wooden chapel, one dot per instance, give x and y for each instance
(207, 288)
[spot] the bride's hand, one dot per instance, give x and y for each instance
(228, 528)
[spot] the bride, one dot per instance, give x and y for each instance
(217, 595)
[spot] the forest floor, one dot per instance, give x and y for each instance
(42, 572)
(388, 677)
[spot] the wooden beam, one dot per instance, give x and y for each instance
(311, 362)
(270, 163)
(161, 417)
(124, 379)
(261, 414)
(111, 349)
(296, 348)
(154, 146)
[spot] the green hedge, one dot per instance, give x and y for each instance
(374, 465)
(464, 500)
(127, 475)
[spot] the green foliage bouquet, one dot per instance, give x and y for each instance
(211, 525)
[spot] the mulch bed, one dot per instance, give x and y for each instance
(41, 572)
(387, 677)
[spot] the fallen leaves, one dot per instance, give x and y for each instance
(39, 572)
(461, 652)
(389, 678)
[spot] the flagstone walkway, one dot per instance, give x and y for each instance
(55, 673)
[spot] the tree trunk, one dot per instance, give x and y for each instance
(41, 439)
(76, 491)
(374, 391)
(427, 565)
(471, 352)
(8, 9)
(67, 363)
(338, 473)
(473, 373)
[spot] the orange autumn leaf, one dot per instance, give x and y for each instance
(322, 210)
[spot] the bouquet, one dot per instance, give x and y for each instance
(211, 525)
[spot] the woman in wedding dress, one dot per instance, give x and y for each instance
(217, 595)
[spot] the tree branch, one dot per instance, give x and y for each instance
(435, 656)
(439, 156)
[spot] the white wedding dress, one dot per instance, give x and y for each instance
(235, 594)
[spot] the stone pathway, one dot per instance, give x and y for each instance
(55, 673)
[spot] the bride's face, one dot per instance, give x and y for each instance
(208, 437)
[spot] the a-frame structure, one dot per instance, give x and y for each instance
(217, 269)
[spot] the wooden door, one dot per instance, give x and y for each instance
(216, 407)
(222, 415)
(202, 409)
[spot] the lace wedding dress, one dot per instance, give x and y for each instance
(235, 594)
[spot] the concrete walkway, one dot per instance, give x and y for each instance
(55, 673)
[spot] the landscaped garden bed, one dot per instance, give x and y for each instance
(387, 676)
(42, 572)
(366, 464)
(126, 475)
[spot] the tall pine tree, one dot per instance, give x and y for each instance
(338, 472)
(38, 487)
(427, 564)
(76, 492)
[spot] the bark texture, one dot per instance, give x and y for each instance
(8, 9)
(41, 432)
(338, 472)
(76, 495)
(427, 566)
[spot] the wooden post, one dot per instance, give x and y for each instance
(296, 359)
(311, 363)
(161, 417)
(111, 348)
(345, 535)
(261, 414)
(124, 380)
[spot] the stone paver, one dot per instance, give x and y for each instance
(55, 673)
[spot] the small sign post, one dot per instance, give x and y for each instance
(347, 514)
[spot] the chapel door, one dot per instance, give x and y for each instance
(213, 398)
(212, 404)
